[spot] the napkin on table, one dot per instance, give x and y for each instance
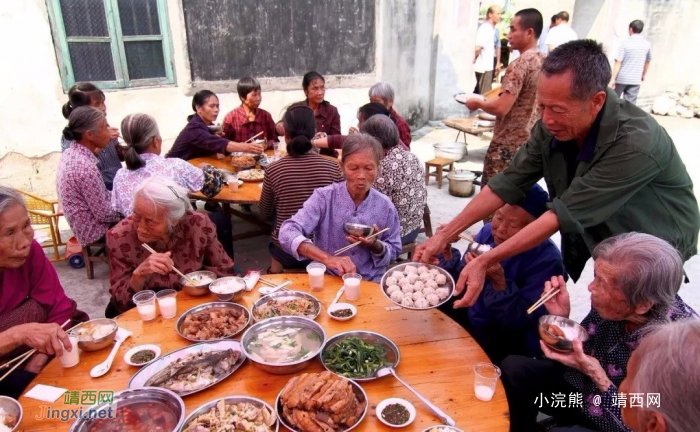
(45, 393)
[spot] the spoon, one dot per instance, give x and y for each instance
(103, 368)
(390, 371)
(337, 296)
(269, 290)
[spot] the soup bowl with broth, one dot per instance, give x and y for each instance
(283, 345)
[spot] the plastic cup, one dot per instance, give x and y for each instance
(72, 357)
(352, 285)
(485, 377)
(167, 303)
(277, 149)
(145, 302)
(232, 180)
(316, 271)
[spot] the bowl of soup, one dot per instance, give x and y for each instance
(283, 345)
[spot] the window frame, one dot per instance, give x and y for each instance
(116, 40)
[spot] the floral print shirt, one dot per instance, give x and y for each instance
(85, 200)
(401, 179)
(182, 172)
(612, 346)
(193, 244)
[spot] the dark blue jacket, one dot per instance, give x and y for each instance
(525, 276)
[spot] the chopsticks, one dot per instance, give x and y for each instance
(22, 357)
(347, 248)
(189, 281)
(274, 285)
(253, 137)
(543, 300)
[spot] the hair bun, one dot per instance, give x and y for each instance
(68, 134)
(66, 109)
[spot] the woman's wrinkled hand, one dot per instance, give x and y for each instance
(560, 304)
(157, 263)
(341, 265)
(46, 338)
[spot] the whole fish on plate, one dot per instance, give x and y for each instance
(194, 371)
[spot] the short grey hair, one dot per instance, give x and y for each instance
(166, 195)
(9, 198)
(360, 142)
(383, 129)
(666, 360)
(382, 90)
(587, 62)
(649, 268)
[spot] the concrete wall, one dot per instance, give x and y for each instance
(419, 50)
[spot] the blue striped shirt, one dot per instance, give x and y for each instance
(632, 54)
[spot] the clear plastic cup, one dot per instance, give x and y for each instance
(277, 149)
(145, 302)
(167, 303)
(485, 378)
(317, 272)
(232, 180)
(352, 285)
(72, 357)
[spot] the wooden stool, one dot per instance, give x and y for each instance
(100, 255)
(439, 164)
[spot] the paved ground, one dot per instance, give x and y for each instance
(92, 295)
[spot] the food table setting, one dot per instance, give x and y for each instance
(229, 351)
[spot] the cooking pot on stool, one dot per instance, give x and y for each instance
(461, 183)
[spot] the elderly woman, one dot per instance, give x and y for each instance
(82, 194)
(33, 303)
(383, 93)
(292, 180)
(162, 218)
(197, 139)
(353, 200)
(637, 277)
(327, 116)
(400, 176)
(249, 119)
(87, 94)
(665, 364)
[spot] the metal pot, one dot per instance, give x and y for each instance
(461, 183)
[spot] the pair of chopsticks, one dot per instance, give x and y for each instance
(22, 357)
(189, 281)
(274, 285)
(543, 300)
(347, 248)
(253, 137)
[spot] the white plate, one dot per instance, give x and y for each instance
(134, 350)
(339, 306)
(409, 406)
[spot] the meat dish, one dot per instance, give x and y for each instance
(138, 417)
(195, 371)
(235, 417)
(214, 323)
(7, 420)
(321, 402)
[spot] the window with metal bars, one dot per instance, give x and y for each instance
(112, 43)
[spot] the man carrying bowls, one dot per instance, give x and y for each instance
(637, 277)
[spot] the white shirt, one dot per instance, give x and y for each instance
(485, 40)
(560, 34)
(542, 41)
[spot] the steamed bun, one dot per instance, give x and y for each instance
(392, 288)
(407, 301)
(433, 299)
(442, 293)
(391, 281)
(421, 303)
(441, 279)
(397, 296)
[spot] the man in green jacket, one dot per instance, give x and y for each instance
(609, 167)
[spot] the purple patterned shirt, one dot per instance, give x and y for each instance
(83, 196)
(611, 344)
(324, 214)
(127, 181)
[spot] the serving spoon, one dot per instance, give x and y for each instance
(391, 371)
(103, 368)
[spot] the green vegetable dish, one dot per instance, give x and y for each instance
(354, 358)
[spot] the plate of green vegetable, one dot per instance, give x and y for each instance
(357, 355)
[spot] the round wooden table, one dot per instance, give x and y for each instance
(437, 359)
(247, 193)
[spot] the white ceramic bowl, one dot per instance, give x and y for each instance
(339, 306)
(408, 405)
(134, 350)
(12, 407)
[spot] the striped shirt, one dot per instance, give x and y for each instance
(290, 181)
(632, 55)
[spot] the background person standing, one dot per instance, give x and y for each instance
(561, 33)
(631, 63)
(485, 50)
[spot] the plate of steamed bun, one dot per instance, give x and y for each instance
(418, 286)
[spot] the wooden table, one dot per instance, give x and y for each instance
(248, 193)
(466, 126)
(437, 358)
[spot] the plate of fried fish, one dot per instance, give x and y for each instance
(193, 368)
